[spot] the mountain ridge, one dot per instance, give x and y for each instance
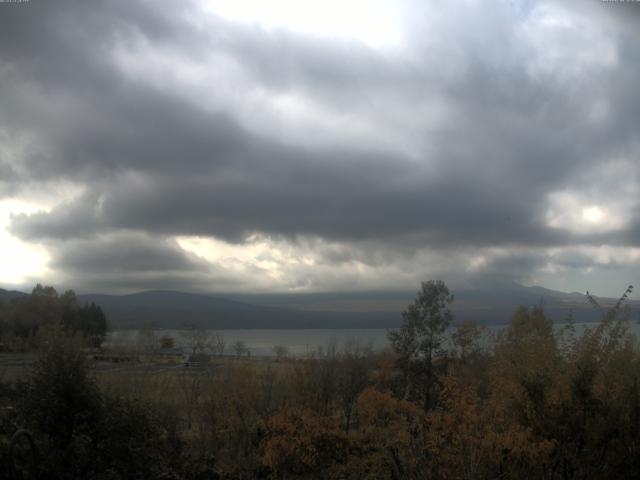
(366, 309)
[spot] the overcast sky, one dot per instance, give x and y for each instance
(237, 146)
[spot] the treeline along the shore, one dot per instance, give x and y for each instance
(538, 404)
(23, 315)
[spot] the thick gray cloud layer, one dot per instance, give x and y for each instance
(458, 140)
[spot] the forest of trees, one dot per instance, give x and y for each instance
(535, 402)
(22, 316)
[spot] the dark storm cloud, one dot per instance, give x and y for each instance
(68, 221)
(580, 261)
(158, 161)
(8, 177)
(315, 202)
(516, 266)
(519, 265)
(124, 261)
(137, 252)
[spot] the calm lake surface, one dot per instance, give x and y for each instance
(302, 342)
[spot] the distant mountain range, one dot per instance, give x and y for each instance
(171, 309)
(6, 295)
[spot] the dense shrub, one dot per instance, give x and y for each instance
(83, 433)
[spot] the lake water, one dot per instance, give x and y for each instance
(300, 342)
(262, 342)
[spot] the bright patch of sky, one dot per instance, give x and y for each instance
(377, 23)
(21, 261)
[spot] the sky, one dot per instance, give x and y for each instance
(294, 146)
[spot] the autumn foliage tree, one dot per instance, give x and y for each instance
(301, 442)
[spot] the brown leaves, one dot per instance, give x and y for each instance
(300, 441)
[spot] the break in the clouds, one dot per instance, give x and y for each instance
(222, 146)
